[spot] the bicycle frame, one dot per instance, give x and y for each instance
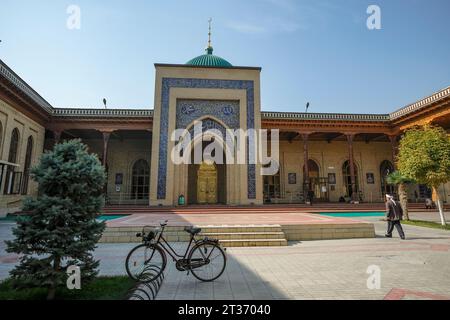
(162, 242)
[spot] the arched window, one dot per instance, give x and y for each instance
(348, 180)
(313, 169)
(386, 168)
(140, 180)
(1, 135)
(14, 146)
(26, 168)
(13, 178)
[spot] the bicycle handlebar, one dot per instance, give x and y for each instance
(163, 224)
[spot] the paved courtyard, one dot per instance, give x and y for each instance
(417, 268)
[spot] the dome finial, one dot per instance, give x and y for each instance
(209, 49)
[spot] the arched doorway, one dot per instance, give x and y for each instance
(317, 184)
(207, 183)
(140, 180)
(348, 180)
(386, 168)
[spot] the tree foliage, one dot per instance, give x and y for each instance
(61, 229)
(424, 155)
(398, 179)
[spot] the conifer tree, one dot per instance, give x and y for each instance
(61, 229)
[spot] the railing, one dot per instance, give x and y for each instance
(123, 198)
(74, 112)
(420, 104)
(6, 72)
(291, 197)
(324, 116)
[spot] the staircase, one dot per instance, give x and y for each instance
(229, 236)
(247, 236)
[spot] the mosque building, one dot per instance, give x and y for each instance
(336, 156)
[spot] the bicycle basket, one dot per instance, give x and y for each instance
(149, 233)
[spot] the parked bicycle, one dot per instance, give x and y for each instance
(204, 257)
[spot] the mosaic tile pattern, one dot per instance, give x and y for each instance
(190, 110)
(167, 84)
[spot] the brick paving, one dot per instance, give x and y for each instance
(417, 268)
(293, 217)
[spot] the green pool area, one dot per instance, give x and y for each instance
(353, 214)
(108, 217)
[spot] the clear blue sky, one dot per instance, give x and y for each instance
(317, 50)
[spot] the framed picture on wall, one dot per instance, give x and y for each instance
(119, 179)
(370, 178)
(332, 178)
(292, 178)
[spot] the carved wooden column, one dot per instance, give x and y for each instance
(57, 135)
(393, 140)
(106, 136)
(350, 137)
(305, 137)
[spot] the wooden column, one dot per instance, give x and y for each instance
(106, 136)
(305, 137)
(350, 137)
(393, 140)
(57, 136)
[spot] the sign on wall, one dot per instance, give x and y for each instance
(292, 178)
(332, 178)
(370, 178)
(119, 179)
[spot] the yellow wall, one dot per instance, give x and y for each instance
(330, 157)
(10, 118)
(177, 175)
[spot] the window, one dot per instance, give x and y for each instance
(12, 185)
(26, 169)
(140, 180)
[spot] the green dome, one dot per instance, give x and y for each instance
(209, 60)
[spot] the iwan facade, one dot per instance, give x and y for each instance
(336, 156)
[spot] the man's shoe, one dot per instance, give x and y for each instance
(403, 238)
(388, 235)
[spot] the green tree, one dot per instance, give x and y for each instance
(398, 179)
(424, 155)
(61, 229)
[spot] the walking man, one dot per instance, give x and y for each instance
(394, 214)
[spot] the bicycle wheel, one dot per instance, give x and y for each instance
(207, 261)
(145, 263)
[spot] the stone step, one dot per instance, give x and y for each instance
(244, 235)
(229, 236)
(254, 243)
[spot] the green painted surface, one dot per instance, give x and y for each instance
(353, 214)
(111, 217)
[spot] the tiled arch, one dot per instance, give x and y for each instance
(167, 84)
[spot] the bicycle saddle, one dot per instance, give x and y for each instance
(192, 230)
